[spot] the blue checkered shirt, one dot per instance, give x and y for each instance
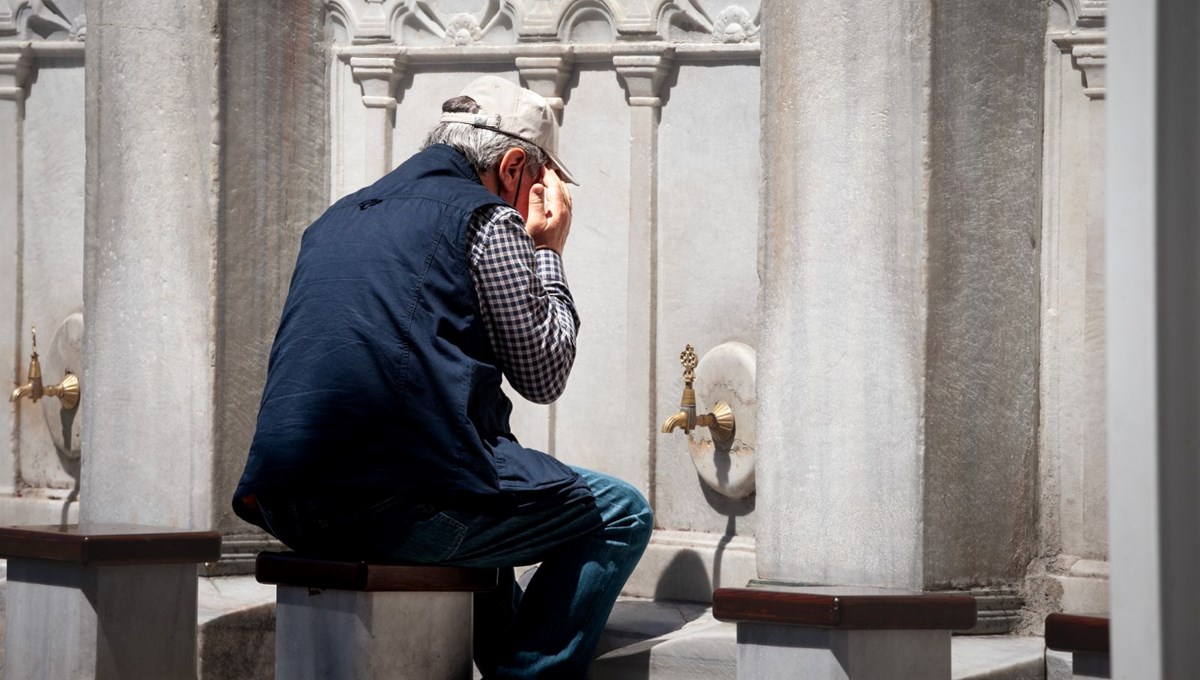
(524, 302)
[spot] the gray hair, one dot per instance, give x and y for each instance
(483, 147)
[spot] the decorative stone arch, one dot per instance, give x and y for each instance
(460, 29)
(342, 16)
(1084, 13)
(669, 11)
(573, 13)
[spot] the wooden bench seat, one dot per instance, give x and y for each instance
(126, 594)
(1086, 637)
(355, 620)
(835, 632)
(291, 569)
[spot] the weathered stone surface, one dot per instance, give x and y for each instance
(898, 384)
(982, 325)
(841, 362)
(191, 240)
(274, 179)
(99, 623)
(236, 628)
(153, 120)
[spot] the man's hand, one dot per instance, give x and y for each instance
(549, 212)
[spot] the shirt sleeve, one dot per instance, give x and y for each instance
(524, 302)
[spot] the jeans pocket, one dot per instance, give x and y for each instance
(433, 539)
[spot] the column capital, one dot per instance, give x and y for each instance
(547, 76)
(642, 75)
(1089, 54)
(16, 60)
(378, 76)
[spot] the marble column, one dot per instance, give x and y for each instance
(1153, 335)
(898, 368)
(205, 159)
(642, 75)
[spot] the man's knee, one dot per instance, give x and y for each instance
(635, 513)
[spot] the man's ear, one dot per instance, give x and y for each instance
(510, 169)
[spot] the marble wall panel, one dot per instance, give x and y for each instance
(708, 208)
(52, 225)
(590, 418)
(11, 105)
(350, 135)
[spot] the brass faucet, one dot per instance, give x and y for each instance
(719, 422)
(67, 391)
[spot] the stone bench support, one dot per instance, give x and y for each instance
(102, 602)
(359, 621)
(842, 633)
(1086, 638)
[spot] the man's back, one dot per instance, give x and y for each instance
(382, 375)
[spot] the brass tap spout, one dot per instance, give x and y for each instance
(67, 391)
(678, 420)
(32, 389)
(719, 422)
(21, 392)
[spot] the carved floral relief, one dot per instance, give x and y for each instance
(463, 23)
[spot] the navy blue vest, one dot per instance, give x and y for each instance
(382, 378)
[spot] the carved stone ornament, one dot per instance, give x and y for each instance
(536, 21)
(734, 25)
(15, 62)
(52, 20)
(463, 29)
(1089, 55)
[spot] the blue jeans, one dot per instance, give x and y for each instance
(587, 551)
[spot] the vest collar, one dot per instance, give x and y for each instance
(455, 161)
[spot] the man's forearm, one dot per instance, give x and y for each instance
(525, 303)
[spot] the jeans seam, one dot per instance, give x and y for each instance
(462, 534)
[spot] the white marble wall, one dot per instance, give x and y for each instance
(41, 193)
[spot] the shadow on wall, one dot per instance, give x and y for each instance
(685, 574)
(732, 508)
(69, 463)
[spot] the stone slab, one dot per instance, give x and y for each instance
(997, 657)
(635, 620)
(361, 636)
(236, 629)
(106, 623)
(703, 649)
(772, 651)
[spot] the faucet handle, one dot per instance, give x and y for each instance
(33, 332)
(687, 358)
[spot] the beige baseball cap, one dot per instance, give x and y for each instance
(512, 110)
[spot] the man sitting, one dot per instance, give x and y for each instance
(383, 433)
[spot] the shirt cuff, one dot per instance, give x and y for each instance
(550, 266)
